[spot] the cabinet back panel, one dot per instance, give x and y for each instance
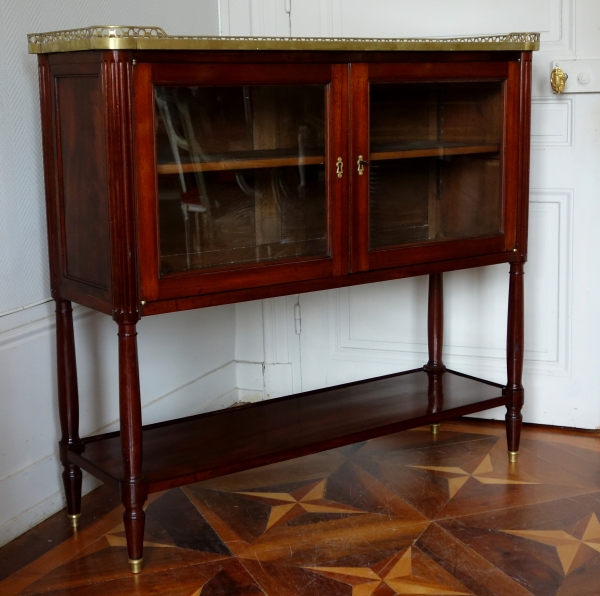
(401, 214)
(83, 182)
(469, 184)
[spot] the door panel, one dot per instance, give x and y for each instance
(245, 166)
(429, 154)
(239, 162)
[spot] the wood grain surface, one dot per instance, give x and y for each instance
(411, 513)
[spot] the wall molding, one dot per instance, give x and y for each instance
(554, 359)
(39, 325)
(254, 17)
(281, 347)
(542, 110)
(23, 489)
(559, 363)
(562, 37)
(275, 334)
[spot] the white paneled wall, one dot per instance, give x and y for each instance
(255, 17)
(267, 346)
(187, 360)
(377, 329)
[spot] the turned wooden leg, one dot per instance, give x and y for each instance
(68, 406)
(514, 360)
(435, 339)
(133, 489)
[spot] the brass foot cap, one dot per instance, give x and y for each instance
(513, 456)
(435, 428)
(135, 565)
(74, 519)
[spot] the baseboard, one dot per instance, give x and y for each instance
(32, 324)
(250, 395)
(34, 493)
(20, 496)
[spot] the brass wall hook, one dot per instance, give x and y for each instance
(558, 80)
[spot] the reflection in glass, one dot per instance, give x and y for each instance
(241, 174)
(435, 162)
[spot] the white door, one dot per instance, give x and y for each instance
(376, 329)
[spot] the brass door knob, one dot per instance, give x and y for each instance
(558, 80)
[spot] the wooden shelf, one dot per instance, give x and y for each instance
(387, 151)
(277, 158)
(209, 445)
(247, 160)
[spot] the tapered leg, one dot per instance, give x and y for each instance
(435, 339)
(68, 406)
(133, 491)
(514, 360)
(435, 393)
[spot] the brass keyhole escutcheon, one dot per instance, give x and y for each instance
(558, 80)
(339, 167)
(361, 165)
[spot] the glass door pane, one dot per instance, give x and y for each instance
(241, 174)
(435, 166)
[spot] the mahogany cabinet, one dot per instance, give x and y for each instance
(188, 172)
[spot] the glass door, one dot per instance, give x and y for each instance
(242, 161)
(429, 163)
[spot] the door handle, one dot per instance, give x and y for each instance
(583, 77)
(558, 80)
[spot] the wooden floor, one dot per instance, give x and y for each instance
(411, 513)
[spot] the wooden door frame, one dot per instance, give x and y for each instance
(364, 259)
(225, 279)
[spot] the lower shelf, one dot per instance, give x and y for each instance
(199, 447)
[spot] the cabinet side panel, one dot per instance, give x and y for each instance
(524, 154)
(83, 184)
(45, 82)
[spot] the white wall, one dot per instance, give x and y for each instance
(373, 330)
(380, 328)
(187, 360)
(267, 345)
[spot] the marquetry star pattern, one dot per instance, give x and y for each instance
(570, 549)
(347, 524)
(116, 537)
(484, 473)
(395, 573)
(307, 499)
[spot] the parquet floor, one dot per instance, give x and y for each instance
(411, 513)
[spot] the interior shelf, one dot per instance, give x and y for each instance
(246, 160)
(210, 445)
(386, 151)
(277, 158)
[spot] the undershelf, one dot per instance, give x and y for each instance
(199, 447)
